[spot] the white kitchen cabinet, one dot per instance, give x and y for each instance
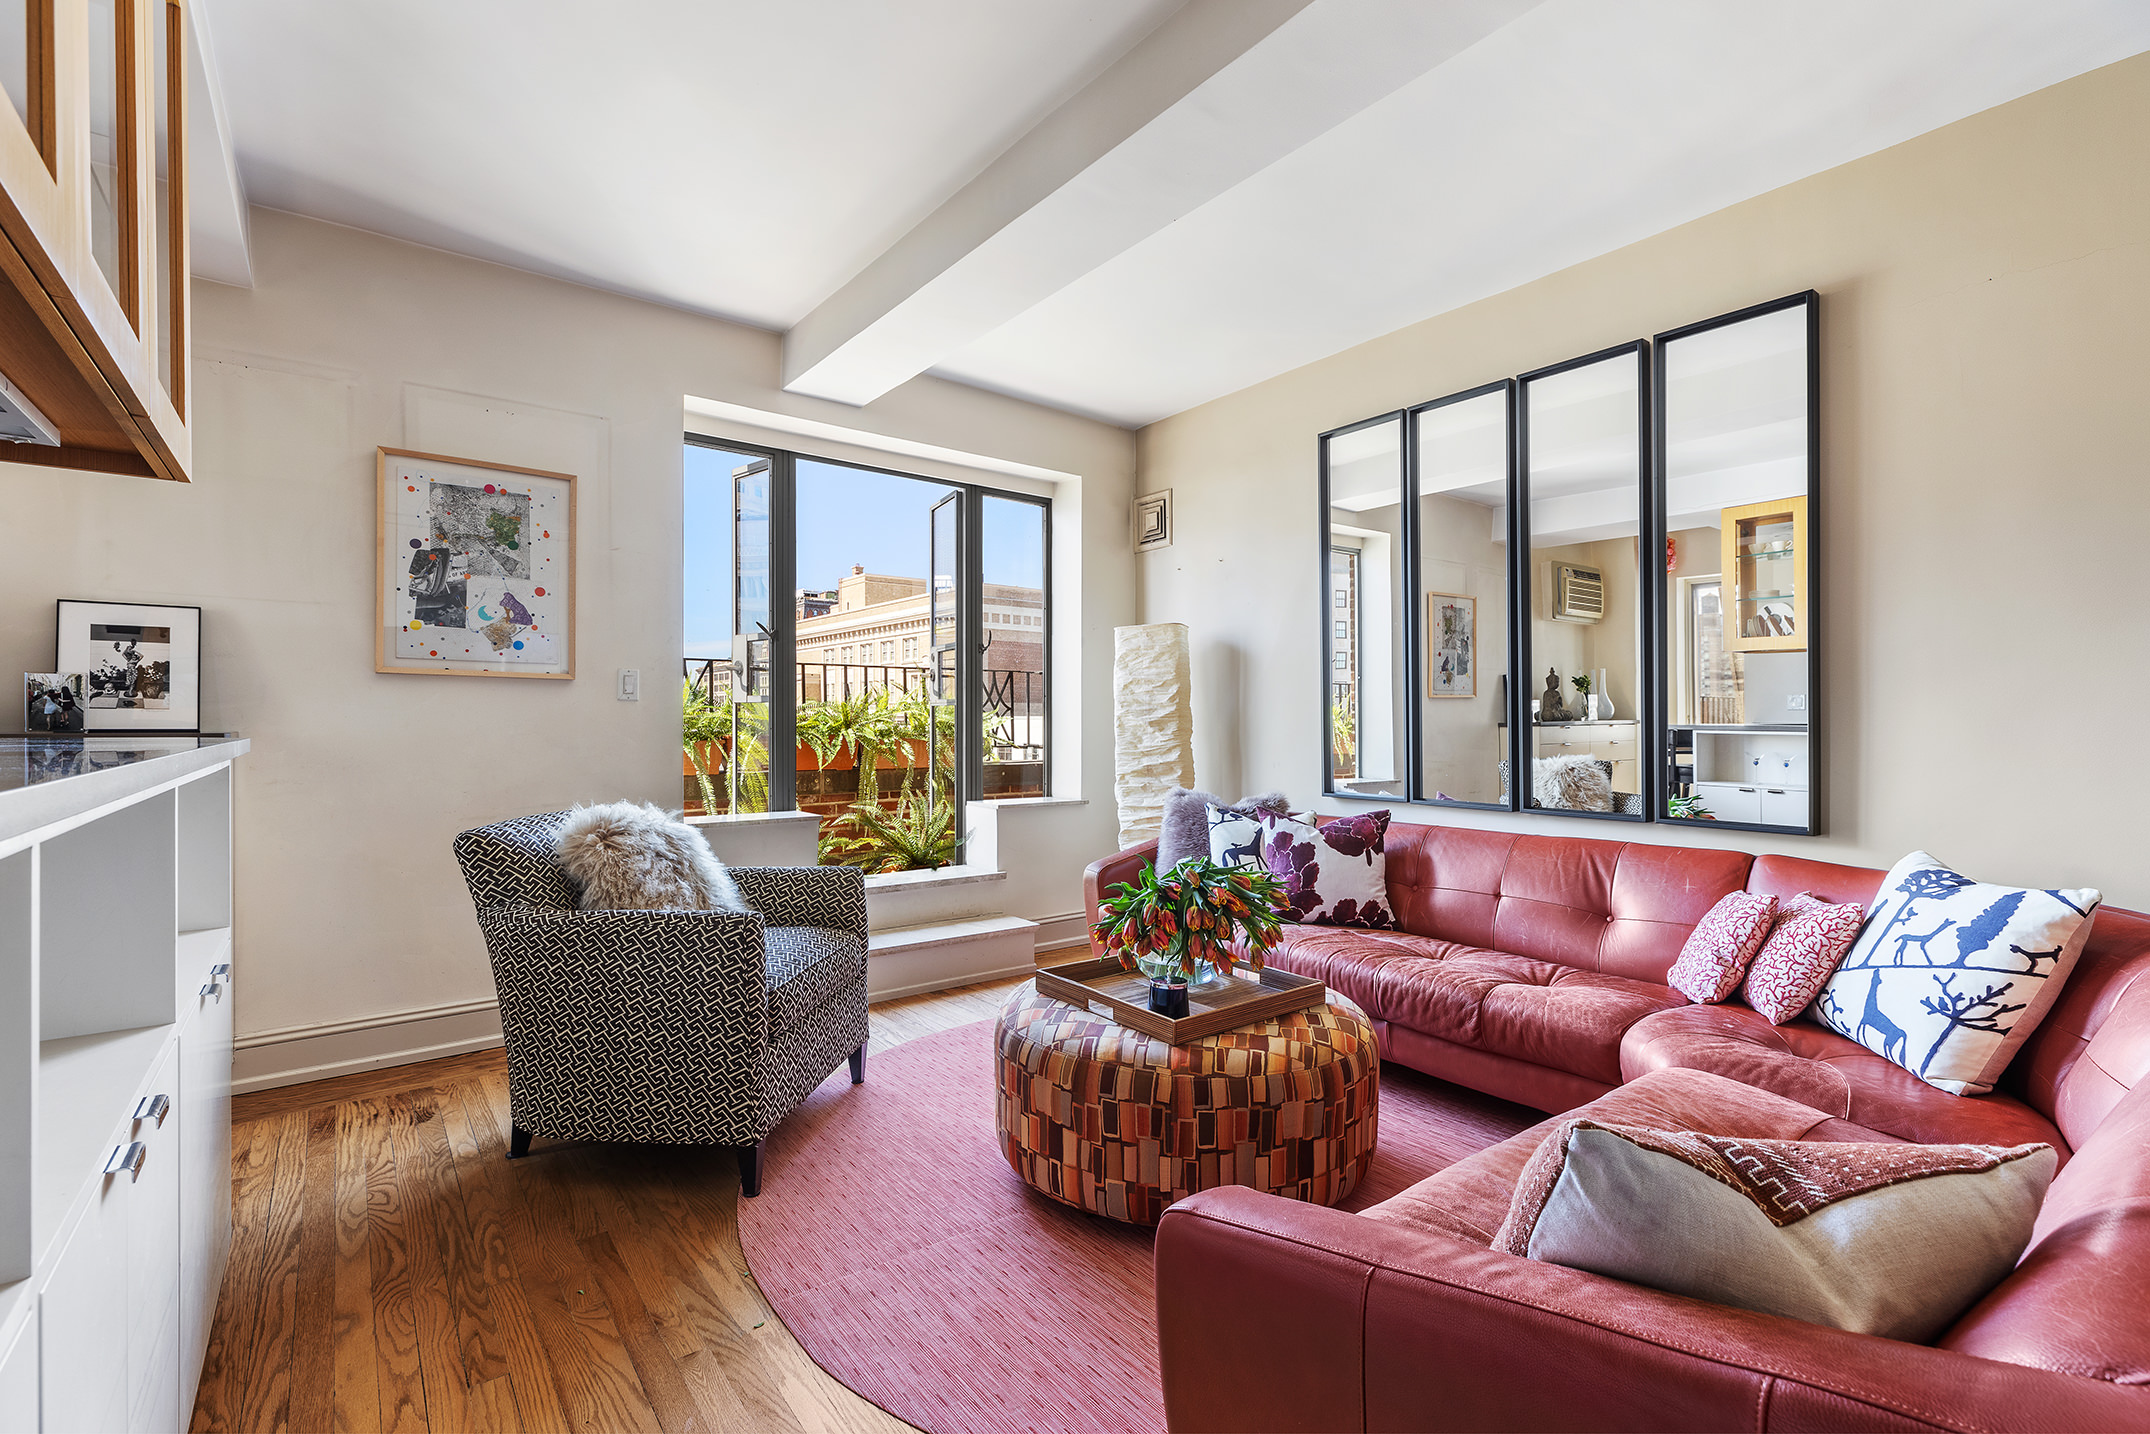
(1784, 806)
(115, 1080)
(18, 1378)
(1731, 801)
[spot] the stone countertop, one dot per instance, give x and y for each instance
(47, 780)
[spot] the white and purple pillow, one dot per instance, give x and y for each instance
(1333, 875)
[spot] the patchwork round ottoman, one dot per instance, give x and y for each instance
(1120, 1124)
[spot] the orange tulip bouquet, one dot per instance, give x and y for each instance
(1175, 926)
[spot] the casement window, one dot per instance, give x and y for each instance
(795, 567)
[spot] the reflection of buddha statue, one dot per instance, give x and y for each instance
(1550, 707)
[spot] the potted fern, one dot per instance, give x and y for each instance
(1179, 927)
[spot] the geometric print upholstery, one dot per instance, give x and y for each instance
(805, 967)
(675, 1027)
(1122, 1124)
(513, 863)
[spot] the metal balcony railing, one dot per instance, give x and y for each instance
(1014, 697)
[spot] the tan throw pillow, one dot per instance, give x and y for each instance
(1892, 1238)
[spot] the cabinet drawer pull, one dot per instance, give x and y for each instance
(222, 968)
(1776, 791)
(129, 1158)
(1746, 789)
(153, 1107)
(213, 989)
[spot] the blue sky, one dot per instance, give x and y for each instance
(846, 516)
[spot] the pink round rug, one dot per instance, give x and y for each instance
(902, 1252)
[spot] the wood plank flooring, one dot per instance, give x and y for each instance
(391, 1270)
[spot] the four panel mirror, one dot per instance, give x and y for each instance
(1599, 576)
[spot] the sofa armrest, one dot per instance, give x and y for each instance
(828, 896)
(1102, 875)
(1371, 1325)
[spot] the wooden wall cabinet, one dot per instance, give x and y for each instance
(97, 165)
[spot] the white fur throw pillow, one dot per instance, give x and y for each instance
(1576, 782)
(630, 856)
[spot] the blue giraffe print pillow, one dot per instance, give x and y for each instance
(1950, 976)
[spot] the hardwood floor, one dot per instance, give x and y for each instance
(392, 1270)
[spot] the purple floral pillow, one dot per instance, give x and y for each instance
(1333, 875)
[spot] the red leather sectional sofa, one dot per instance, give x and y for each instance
(1533, 968)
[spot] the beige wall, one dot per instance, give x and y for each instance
(1985, 500)
(349, 903)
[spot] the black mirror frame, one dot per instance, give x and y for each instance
(1414, 598)
(1661, 729)
(1321, 447)
(1520, 569)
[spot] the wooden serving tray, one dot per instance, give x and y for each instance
(1123, 997)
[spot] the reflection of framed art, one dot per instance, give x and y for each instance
(1451, 645)
(141, 664)
(476, 570)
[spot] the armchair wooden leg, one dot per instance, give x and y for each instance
(858, 1066)
(518, 1142)
(750, 1170)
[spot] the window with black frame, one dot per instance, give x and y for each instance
(867, 645)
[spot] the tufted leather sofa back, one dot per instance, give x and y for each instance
(1618, 907)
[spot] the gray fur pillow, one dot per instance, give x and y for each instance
(635, 856)
(1186, 824)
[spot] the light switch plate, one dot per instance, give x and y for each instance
(630, 684)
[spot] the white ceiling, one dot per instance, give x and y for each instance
(1119, 207)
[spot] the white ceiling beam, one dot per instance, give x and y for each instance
(1217, 93)
(217, 229)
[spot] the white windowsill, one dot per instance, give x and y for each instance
(1033, 802)
(751, 818)
(938, 876)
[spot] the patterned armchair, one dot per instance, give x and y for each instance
(674, 1027)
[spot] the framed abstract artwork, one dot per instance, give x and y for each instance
(141, 664)
(476, 568)
(1451, 645)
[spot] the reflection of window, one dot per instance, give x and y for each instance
(1716, 675)
(910, 649)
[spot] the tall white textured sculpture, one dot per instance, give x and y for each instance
(1152, 726)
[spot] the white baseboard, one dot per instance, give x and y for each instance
(1057, 933)
(264, 1060)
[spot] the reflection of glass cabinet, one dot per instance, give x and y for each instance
(1765, 589)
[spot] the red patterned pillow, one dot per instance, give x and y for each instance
(1803, 951)
(1721, 945)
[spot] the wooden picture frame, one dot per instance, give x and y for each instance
(1451, 645)
(474, 568)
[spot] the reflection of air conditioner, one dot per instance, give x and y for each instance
(1578, 593)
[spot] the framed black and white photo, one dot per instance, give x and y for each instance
(141, 664)
(476, 568)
